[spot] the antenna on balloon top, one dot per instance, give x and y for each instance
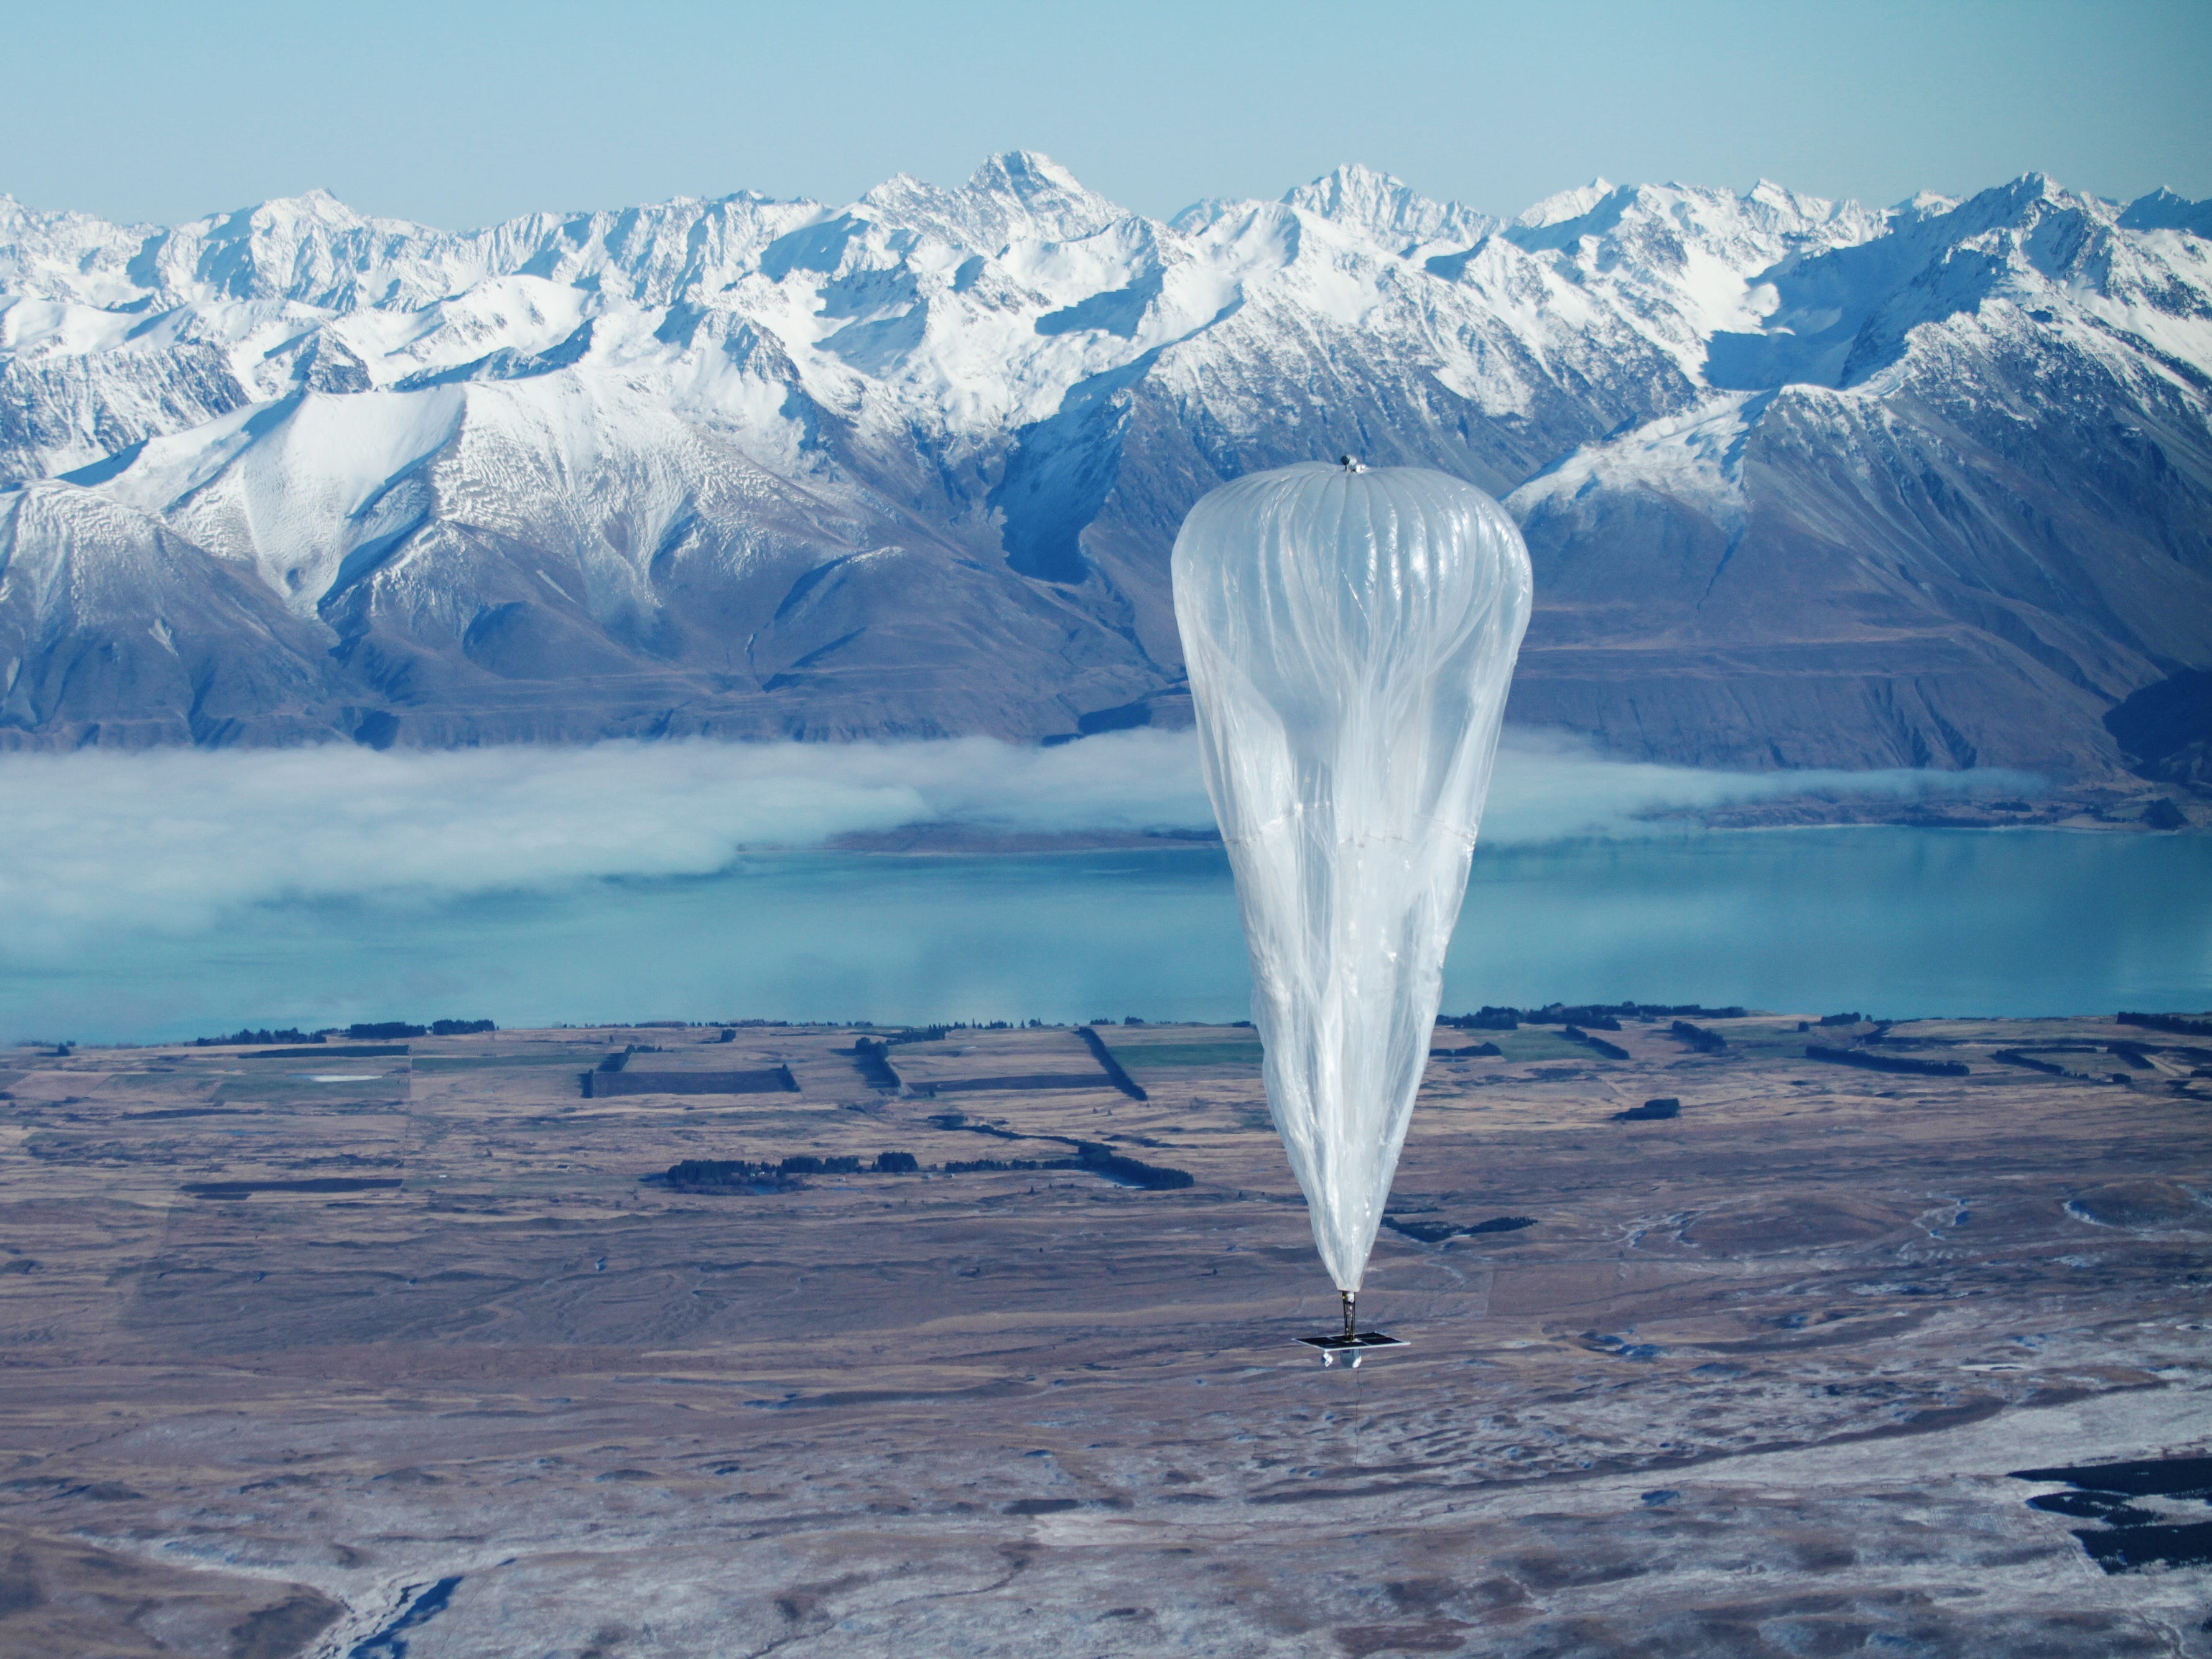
(1353, 464)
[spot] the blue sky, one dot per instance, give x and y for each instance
(458, 114)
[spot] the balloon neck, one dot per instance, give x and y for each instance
(1348, 1317)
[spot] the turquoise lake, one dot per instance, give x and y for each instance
(1896, 922)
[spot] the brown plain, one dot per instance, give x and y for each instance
(1750, 1385)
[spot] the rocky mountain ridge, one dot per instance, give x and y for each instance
(1806, 483)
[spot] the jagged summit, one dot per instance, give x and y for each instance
(1383, 205)
(2163, 209)
(1567, 204)
(313, 200)
(1808, 483)
(1028, 175)
(1015, 195)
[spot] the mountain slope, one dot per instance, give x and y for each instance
(1807, 484)
(1980, 519)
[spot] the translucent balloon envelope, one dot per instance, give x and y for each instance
(1349, 635)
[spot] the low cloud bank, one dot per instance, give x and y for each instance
(172, 841)
(1552, 787)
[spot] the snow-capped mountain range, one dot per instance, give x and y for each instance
(1807, 482)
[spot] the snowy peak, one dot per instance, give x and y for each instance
(1018, 195)
(1567, 204)
(2019, 205)
(1386, 209)
(1785, 212)
(316, 207)
(2163, 209)
(1051, 195)
(2049, 250)
(1681, 265)
(973, 310)
(312, 248)
(1766, 223)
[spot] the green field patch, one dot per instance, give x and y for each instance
(1147, 1056)
(1529, 1043)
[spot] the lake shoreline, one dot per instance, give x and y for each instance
(1901, 921)
(958, 840)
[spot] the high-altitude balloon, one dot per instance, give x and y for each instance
(1349, 635)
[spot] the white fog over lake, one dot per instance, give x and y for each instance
(174, 894)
